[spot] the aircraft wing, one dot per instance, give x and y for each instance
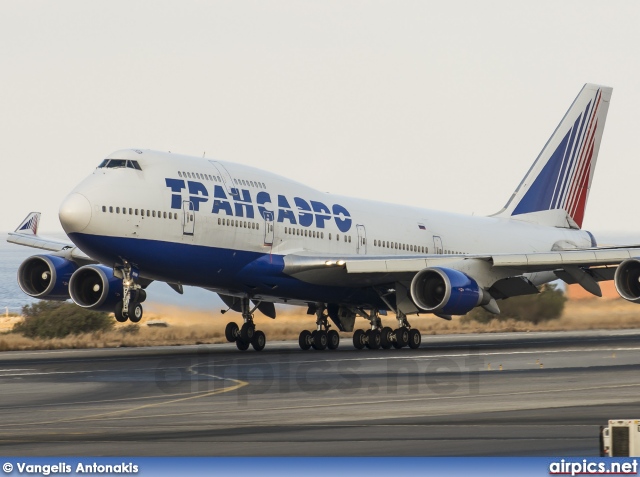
(27, 234)
(583, 266)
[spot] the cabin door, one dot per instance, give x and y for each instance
(223, 174)
(362, 240)
(268, 228)
(437, 245)
(188, 218)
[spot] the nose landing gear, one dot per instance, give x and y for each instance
(133, 295)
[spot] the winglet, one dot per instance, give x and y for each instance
(29, 226)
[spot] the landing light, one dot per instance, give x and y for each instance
(340, 262)
(328, 263)
(96, 288)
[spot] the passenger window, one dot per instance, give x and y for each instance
(111, 209)
(164, 215)
(117, 210)
(329, 235)
(104, 208)
(154, 213)
(136, 211)
(257, 226)
(338, 237)
(349, 238)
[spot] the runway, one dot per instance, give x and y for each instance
(504, 394)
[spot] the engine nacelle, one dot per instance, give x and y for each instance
(627, 280)
(46, 277)
(95, 287)
(446, 291)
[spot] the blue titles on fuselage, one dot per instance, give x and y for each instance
(303, 212)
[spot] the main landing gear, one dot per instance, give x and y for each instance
(133, 295)
(322, 337)
(385, 337)
(247, 334)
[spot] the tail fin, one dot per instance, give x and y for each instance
(29, 226)
(555, 190)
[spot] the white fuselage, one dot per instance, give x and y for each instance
(185, 205)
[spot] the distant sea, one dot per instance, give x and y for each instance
(12, 298)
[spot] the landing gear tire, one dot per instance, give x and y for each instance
(136, 315)
(120, 317)
(247, 331)
(333, 339)
(386, 336)
(359, 339)
(320, 340)
(304, 340)
(242, 345)
(258, 341)
(414, 339)
(231, 332)
(141, 296)
(374, 339)
(402, 337)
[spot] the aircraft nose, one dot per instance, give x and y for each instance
(75, 213)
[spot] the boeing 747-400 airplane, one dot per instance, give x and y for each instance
(257, 238)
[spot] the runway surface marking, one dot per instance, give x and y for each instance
(239, 384)
(434, 356)
(113, 416)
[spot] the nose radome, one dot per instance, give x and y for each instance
(75, 213)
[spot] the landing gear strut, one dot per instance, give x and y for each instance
(132, 295)
(247, 334)
(322, 337)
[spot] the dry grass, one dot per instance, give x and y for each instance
(199, 327)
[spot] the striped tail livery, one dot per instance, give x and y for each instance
(555, 190)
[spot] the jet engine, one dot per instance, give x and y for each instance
(627, 280)
(46, 277)
(445, 291)
(95, 287)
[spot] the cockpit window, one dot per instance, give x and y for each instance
(113, 163)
